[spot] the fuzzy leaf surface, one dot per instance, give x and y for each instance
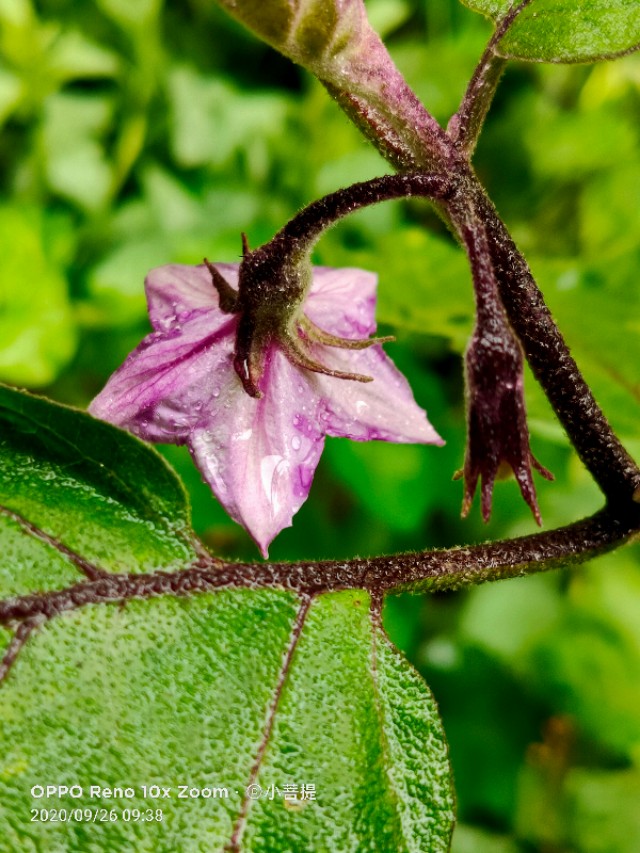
(565, 30)
(212, 695)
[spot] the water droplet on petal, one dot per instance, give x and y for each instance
(295, 442)
(306, 476)
(272, 469)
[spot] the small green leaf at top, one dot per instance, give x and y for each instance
(565, 30)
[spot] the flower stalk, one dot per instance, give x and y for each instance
(465, 125)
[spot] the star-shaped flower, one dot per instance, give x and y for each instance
(259, 455)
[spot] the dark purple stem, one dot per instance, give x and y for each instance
(433, 571)
(553, 366)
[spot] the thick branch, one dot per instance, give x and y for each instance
(431, 571)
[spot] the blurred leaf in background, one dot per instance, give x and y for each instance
(135, 134)
(36, 320)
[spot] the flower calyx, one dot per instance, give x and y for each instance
(497, 431)
(274, 281)
(273, 284)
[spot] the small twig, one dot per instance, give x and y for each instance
(305, 227)
(465, 125)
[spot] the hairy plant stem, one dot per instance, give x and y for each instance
(431, 571)
(303, 231)
(465, 125)
(596, 443)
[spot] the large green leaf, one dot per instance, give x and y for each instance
(565, 30)
(291, 721)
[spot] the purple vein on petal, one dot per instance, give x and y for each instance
(197, 348)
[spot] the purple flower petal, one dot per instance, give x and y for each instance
(384, 409)
(175, 290)
(161, 390)
(343, 301)
(259, 456)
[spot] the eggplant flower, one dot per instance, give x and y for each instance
(497, 431)
(258, 447)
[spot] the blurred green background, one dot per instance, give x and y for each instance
(134, 134)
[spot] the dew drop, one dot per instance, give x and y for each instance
(306, 476)
(295, 442)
